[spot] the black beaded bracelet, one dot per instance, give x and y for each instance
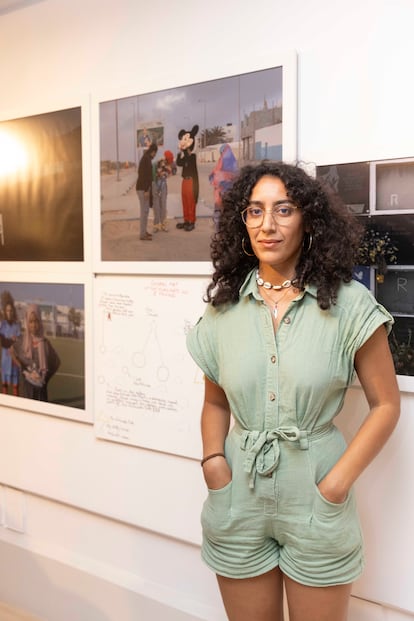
(203, 461)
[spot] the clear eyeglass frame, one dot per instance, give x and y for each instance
(281, 213)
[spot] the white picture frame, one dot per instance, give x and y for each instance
(60, 292)
(45, 156)
(163, 88)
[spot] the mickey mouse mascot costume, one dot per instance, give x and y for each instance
(189, 187)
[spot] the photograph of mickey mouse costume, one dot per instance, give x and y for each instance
(189, 186)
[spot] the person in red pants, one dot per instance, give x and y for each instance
(189, 187)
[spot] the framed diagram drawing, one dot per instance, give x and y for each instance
(239, 118)
(148, 391)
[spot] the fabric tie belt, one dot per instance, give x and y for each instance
(262, 447)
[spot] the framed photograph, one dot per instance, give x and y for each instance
(350, 182)
(43, 332)
(381, 194)
(399, 230)
(392, 186)
(165, 157)
(396, 293)
(41, 188)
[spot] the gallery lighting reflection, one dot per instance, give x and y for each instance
(13, 155)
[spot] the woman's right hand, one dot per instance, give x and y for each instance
(216, 472)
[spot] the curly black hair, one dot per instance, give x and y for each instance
(335, 235)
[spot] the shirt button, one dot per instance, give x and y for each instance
(273, 359)
(272, 396)
(286, 320)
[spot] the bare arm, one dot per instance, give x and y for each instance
(375, 369)
(15, 357)
(215, 423)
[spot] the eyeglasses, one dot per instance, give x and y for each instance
(281, 213)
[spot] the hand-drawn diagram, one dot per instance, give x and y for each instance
(148, 391)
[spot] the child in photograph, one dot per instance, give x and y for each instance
(9, 329)
(162, 170)
(36, 357)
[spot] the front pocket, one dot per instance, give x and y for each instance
(334, 526)
(216, 512)
(220, 490)
(325, 506)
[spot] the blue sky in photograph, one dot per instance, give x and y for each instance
(61, 294)
(207, 104)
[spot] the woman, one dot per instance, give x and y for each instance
(10, 329)
(284, 332)
(35, 356)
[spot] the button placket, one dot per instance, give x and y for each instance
(272, 372)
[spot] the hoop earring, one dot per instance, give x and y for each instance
(245, 251)
(310, 240)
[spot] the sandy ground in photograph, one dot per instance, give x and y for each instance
(120, 222)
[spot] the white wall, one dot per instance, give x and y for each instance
(354, 103)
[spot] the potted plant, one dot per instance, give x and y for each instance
(378, 250)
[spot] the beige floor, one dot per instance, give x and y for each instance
(7, 613)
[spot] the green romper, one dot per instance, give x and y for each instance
(284, 390)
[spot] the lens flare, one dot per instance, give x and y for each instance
(13, 155)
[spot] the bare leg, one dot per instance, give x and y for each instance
(307, 603)
(253, 599)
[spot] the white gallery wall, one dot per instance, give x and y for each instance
(110, 531)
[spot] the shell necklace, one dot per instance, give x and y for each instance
(268, 285)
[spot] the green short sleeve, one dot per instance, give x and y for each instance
(364, 316)
(201, 344)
